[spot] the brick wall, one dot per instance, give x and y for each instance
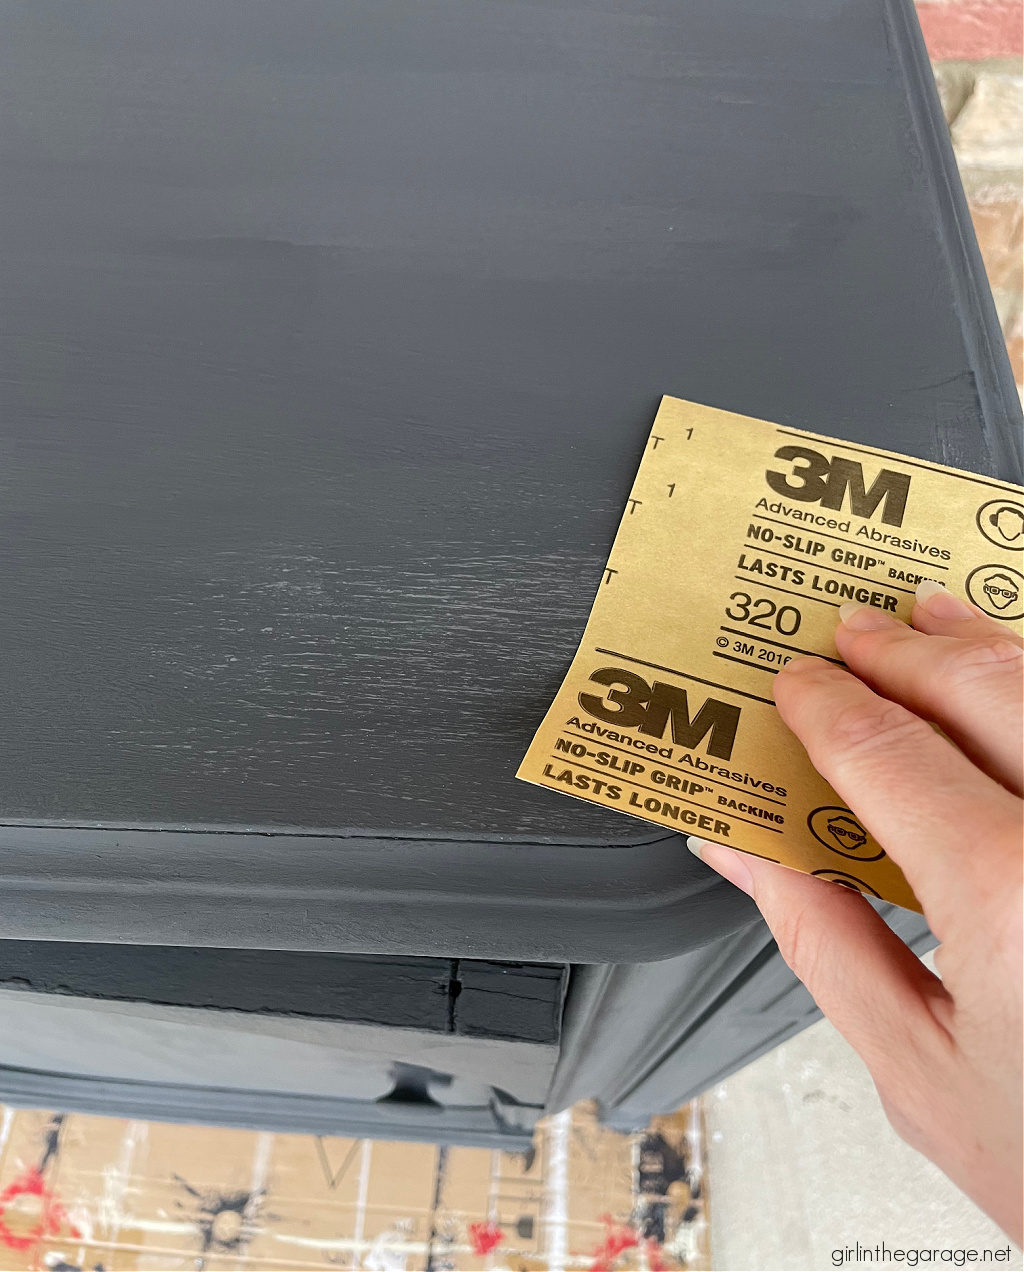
(976, 48)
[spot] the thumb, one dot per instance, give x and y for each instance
(866, 981)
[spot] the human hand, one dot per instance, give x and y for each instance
(944, 1054)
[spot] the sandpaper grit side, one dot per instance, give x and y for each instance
(738, 543)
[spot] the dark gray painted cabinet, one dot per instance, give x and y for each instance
(331, 331)
(359, 1045)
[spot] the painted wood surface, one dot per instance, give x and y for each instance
(331, 335)
(464, 997)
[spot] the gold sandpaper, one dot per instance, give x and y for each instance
(739, 541)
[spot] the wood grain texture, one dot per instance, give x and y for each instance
(503, 1000)
(412, 993)
(475, 999)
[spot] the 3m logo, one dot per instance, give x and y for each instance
(631, 703)
(815, 479)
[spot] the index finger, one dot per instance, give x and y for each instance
(938, 817)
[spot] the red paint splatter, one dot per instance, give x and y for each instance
(617, 1238)
(484, 1237)
(655, 1260)
(52, 1213)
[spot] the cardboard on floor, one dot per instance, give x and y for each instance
(80, 1192)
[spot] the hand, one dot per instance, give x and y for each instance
(944, 1054)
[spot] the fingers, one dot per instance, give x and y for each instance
(940, 613)
(879, 996)
(970, 685)
(938, 816)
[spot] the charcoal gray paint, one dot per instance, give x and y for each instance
(85, 1049)
(644, 1039)
(485, 1127)
(456, 996)
(332, 331)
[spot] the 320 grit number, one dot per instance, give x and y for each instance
(763, 613)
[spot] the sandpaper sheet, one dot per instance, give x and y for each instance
(738, 543)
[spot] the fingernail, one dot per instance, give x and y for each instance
(865, 618)
(804, 662)
(729, 864)
(939, 603)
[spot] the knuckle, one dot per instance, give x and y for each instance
(801, 938)
(969, 664)
(909, 1122)
(877, 726)
(907, 1084)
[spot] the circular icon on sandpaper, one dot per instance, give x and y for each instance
(1001, 521)
(841, 832)
(846, 881)
(997, 589)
